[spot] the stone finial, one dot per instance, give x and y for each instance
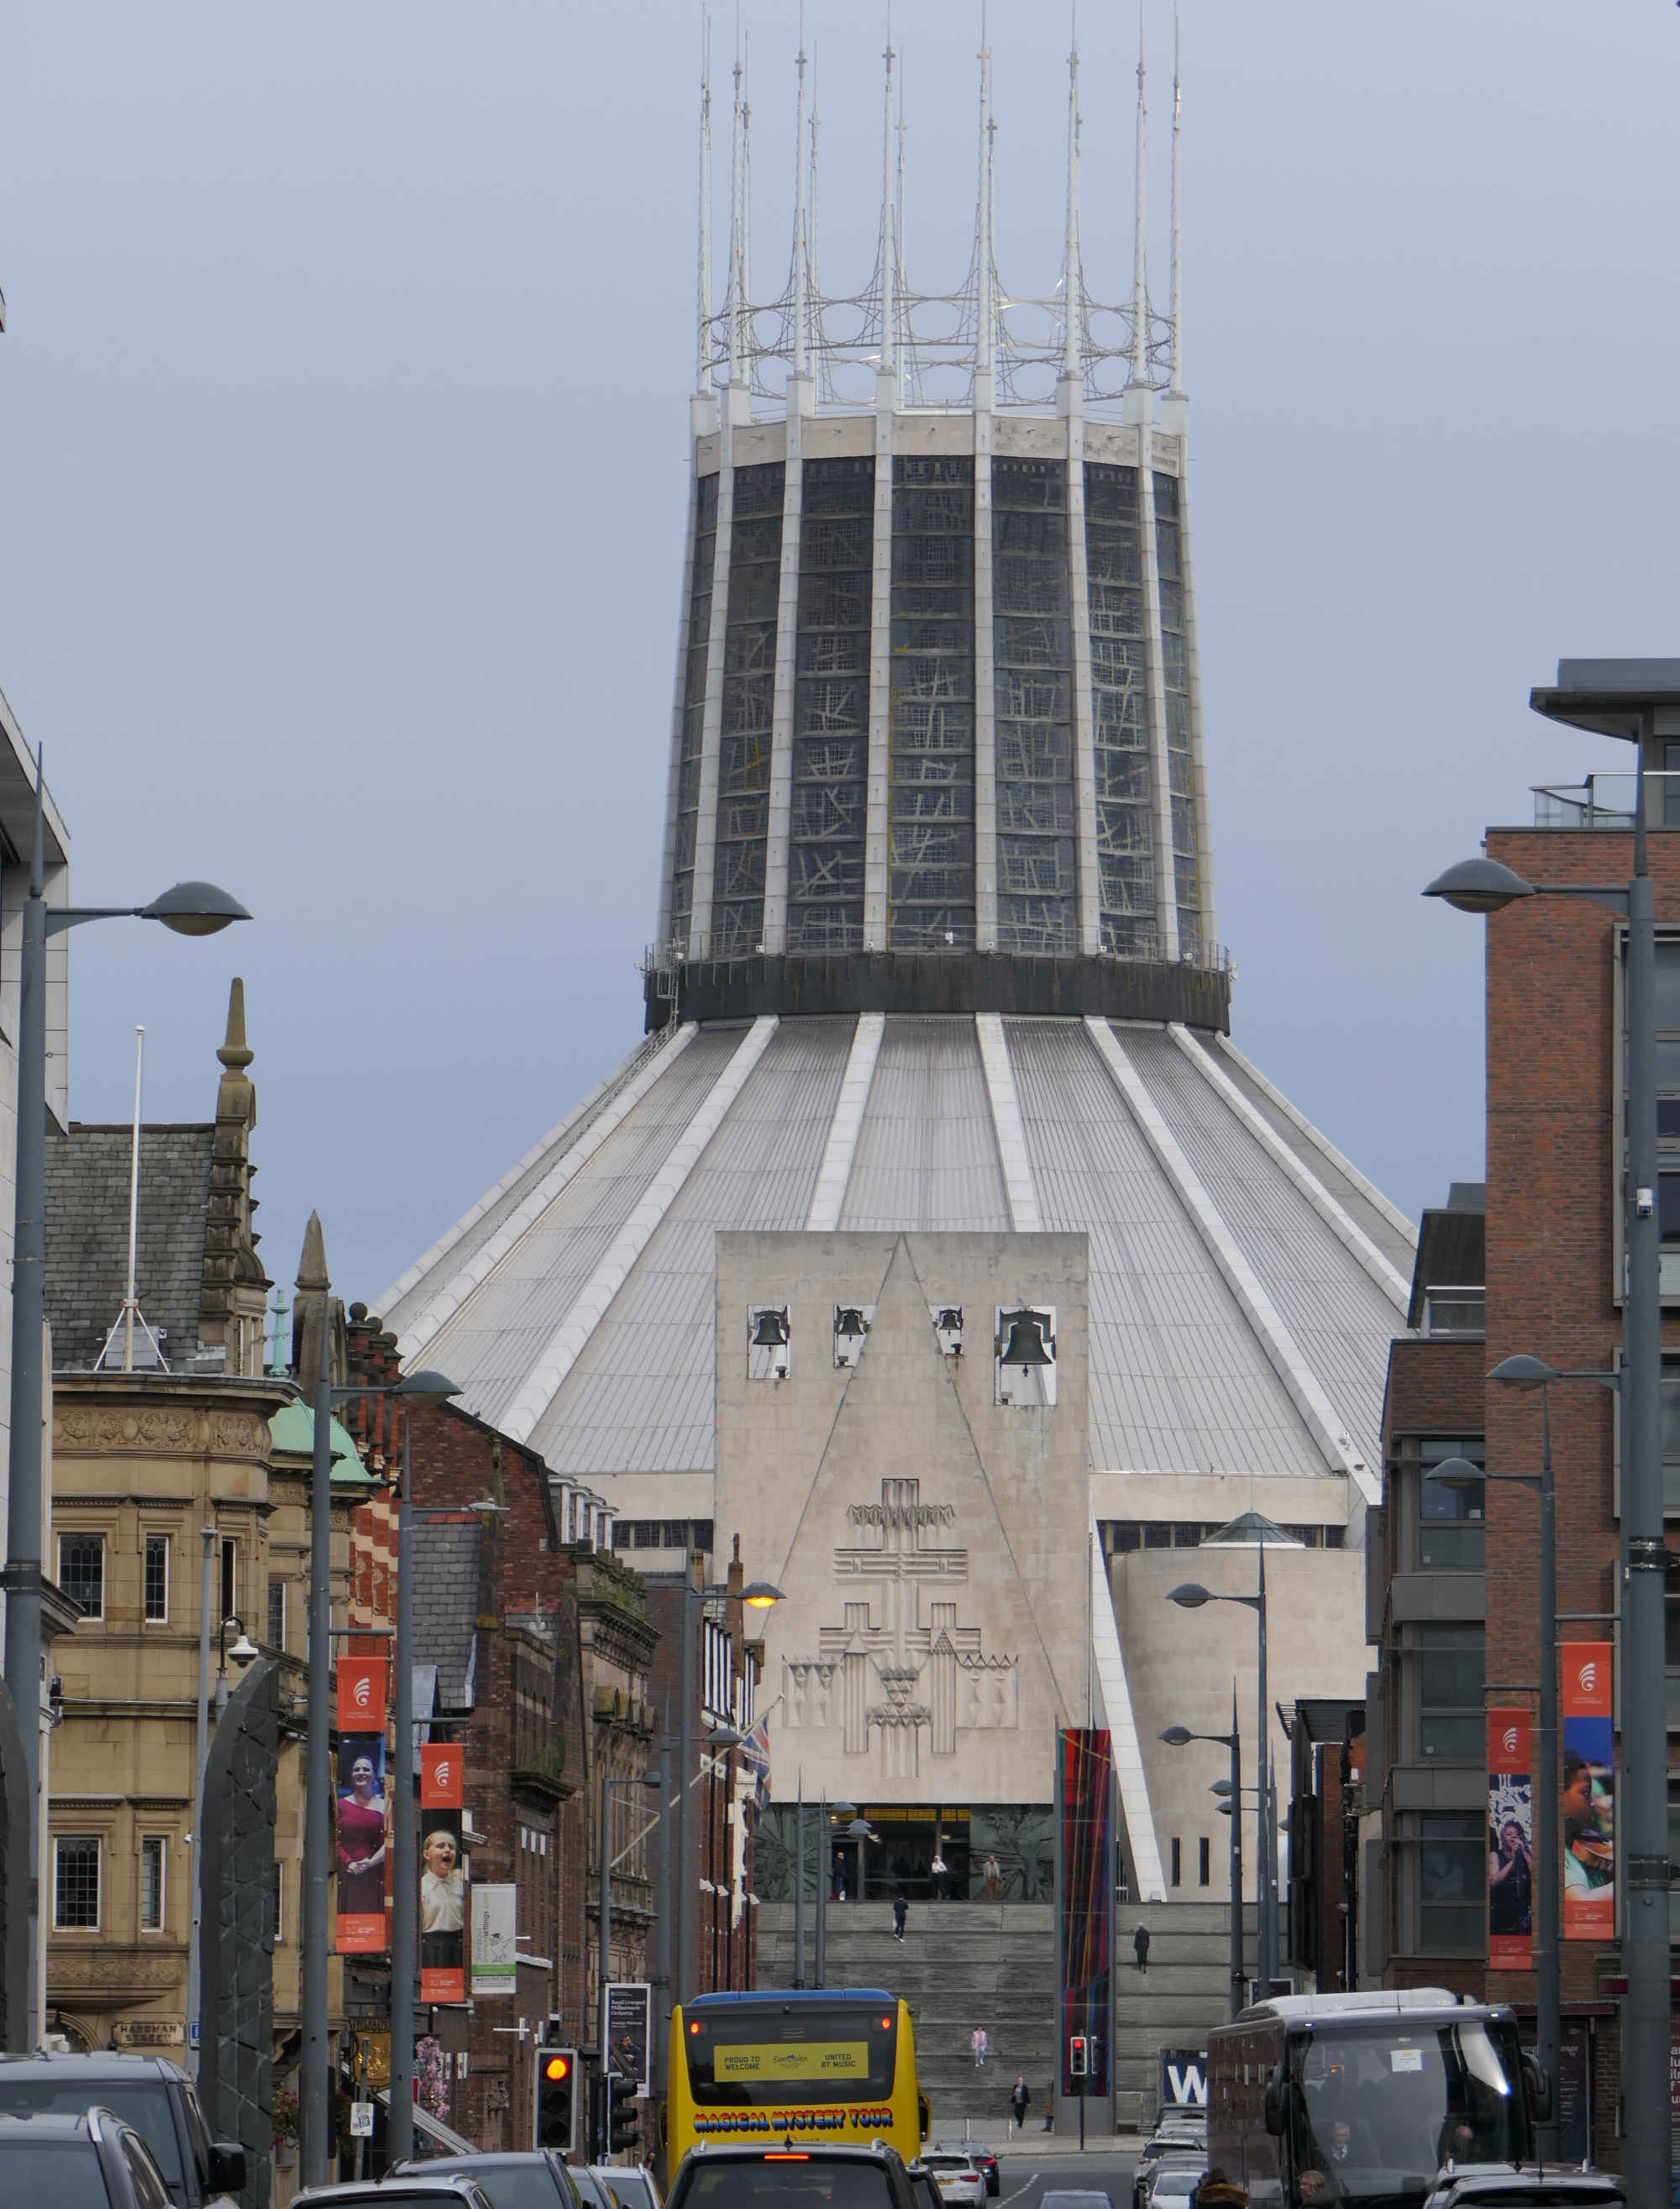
(319, 1344)
(234, 1051)
(312, 1272)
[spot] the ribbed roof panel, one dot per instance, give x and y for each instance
(491, 1342)
(927, 1155)
(1340, 1319)
(1399, 1247)
(640, 1400)
(1179, 1380)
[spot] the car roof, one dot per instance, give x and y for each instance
(1506, 2182)
(446, 2187)
(50, 2124)
(739, 2152)
(107, 2064)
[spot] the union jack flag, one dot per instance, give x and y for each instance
(755, 1754)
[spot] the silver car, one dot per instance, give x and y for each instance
(961, 2180)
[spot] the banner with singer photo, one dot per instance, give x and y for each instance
(442, 1880)
(1510, 1842)
(361, 1814)
(1588, 1805)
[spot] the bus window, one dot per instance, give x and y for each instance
(745, 2058)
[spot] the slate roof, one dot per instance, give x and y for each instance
(88, 1236)
(445, 1609)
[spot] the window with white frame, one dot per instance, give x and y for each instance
(81, 1572)
(75, 1882)
(156, 1593)
(152, 1874)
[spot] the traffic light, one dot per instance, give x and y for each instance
(555, 2121)
(622, 2121)
(1079, 2055)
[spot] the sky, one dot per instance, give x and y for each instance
(344, 434)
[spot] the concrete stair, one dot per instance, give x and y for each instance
(963, 1963)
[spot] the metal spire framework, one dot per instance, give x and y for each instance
(703, 300)
(936, 346)
(1176, 384)
(1140, 292)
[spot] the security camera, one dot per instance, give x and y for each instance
(1644, 1203)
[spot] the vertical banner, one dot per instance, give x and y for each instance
(1087, 1930)
(442, 1882)
(630, 2030)
(362, 1818)
(496, 1955)
(1510, 1842)
(1588, 1806)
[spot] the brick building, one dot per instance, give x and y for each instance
(1453, 1591)
(533, 1644)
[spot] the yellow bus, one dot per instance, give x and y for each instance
(837, 2064)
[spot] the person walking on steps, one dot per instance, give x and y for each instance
(1020, 2095)
(1140, 1947)
(901, 1912)
(980, 2043)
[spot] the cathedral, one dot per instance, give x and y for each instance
(936, 1237)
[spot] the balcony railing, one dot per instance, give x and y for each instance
(1455, 1314)
(1606, 801)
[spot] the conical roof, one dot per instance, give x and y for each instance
(1245, 1279)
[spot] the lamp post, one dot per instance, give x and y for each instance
(188, 909)
(1252, 1530)
(826, 1812)
(1623, 698)
(313, 2103)
(605, 1861)
(244, 1652)
(1177, 1736)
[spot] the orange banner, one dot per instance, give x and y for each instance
(362, 1694)
(442, 1875)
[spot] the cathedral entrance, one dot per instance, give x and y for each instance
(921, 1851)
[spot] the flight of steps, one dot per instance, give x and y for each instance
(994, 1964)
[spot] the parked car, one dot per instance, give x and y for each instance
(453, 2190)
(1174, 2180)
(147, 2092)
(1075, 2197)
(629, 2185)
(767, 2178)
(92, 2161)
(961, 2181)
(538, 2179)
(1157, 2145)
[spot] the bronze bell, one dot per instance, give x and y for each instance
(1024, 1347)
(769, 1329)
(848, 1323)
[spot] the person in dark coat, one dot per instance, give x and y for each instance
(1020, 2096)
(1140, 1947)
(901, 1912)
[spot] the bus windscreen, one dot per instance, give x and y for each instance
(744, 2058)
(1376, 2107)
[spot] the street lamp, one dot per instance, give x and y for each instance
(244, 1653)
(1177, 1736)
(314, 2109)
(827, 1812)
(1623, 698)
(603, 1881)
(1252, 1529)
(861, 1830)
(188, 909)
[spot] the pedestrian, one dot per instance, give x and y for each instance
(980, 2043)
(1050, 2107)
(939, 1878)
(901, 1910)
(1217, 2191)
(1020, 2096)
(1140, 1947)
(993, 1875)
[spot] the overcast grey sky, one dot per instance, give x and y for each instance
(344, 416)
